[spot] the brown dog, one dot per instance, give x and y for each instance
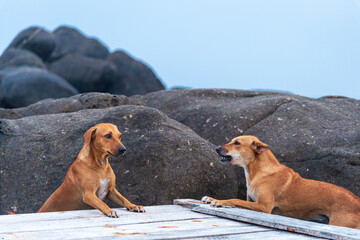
(275, 188)
(90, 178)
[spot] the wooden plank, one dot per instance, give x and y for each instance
(79, 220)
(213, 227)
(278, 235)
(91, 213)
(187, 203)
(231, 232)
(274, 221)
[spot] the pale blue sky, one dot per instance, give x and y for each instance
(308, 47)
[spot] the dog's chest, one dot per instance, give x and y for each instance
(252, 194)
(103, 188)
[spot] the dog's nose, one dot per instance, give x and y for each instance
(218, 149)
(122, 150)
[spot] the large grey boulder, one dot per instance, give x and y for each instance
(319, 138)
(68, 105)
(85, 73)
(131, 76)
(14, 57)
(36, 40)
(71, 41)
(118, 74)
(216, 115)
(165, 159)
(22, 86)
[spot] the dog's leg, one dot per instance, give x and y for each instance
(345, 219)
(208, 200)
(116, 197)
(264, 204)
(91, 199)
(255, 206)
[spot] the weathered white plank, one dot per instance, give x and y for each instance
(94, 222)
(230, 232)
(278, 235)
(214, 227)
(153, 214)
(91, 213)
(275, 221)
(159, 222)
(187, 203)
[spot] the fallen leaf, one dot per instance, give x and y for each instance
(108, 226)
(133, 233)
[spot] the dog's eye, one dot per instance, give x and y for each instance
(236, 143)
(108, 136)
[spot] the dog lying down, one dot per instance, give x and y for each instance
(275, 188)
(90, 178)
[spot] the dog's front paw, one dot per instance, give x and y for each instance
(207, 200)
(136, 208)
(216, 203)
(113, 214)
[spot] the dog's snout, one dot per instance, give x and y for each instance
(122, 150)
(218, 150)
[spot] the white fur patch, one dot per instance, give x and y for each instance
(103, 188)
(246, 176)
(249, 190)
(252, 195)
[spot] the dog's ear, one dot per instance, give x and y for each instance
(89, 135)
(259, 147)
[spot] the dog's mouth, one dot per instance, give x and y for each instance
(116, 154)
(225, 159)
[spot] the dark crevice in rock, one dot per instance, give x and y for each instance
(268, 114)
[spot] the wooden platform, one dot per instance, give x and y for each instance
(159, 222)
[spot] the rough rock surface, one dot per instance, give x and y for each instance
(70, 41)
(85, 73)
(319, 138)
(14, 57)
(131, 77)
(36, 40)
(165, 159)
(67, 105)
(22, 86)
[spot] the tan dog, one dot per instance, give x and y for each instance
(90, 178)
(275, 188)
